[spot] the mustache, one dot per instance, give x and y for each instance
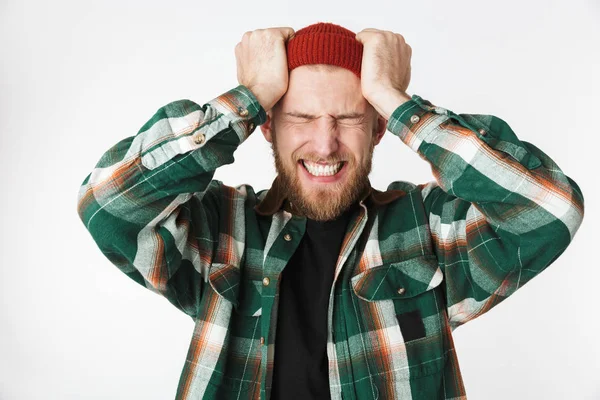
(332, 159)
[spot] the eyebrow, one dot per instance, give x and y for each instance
(352, 115)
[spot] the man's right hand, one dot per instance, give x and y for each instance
(262, 63)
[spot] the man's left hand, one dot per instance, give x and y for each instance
(385, 69)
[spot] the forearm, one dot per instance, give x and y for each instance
(175, 152)
(479, 159)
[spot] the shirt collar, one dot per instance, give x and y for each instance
(276, 199)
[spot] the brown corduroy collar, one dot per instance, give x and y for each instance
(276, 198)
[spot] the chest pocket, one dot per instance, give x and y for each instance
(241, 355)
(398, 280)
(402, 307)
(245, 294)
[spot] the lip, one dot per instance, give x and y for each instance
(323, 179)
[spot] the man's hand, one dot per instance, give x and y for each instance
(385, 69)
(262, 64)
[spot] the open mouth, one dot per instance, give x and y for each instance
(322, 169)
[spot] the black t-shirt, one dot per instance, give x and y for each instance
(301, 364)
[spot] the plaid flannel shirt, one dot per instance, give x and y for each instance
(417, 261)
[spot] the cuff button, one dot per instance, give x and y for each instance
(199, 138)
(482, 132)
(414, 119)
(243, 112)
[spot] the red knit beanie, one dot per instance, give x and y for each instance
(325, 43)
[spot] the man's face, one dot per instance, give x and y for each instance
(323, 132)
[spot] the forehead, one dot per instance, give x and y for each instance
(323, 90)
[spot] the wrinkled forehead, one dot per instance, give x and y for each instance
(323, 90)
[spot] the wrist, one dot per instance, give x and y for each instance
(265, 99)
(386, 102)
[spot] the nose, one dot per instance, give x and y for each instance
(325, 138)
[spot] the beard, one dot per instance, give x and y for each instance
(329, 200)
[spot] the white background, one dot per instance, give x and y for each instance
(77, 77)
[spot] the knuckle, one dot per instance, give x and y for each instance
(271, 33)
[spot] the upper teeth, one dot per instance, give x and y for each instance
(322, 170)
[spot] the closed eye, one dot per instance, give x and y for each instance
(350, 118)
(352, 121)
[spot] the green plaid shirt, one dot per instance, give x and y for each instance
(436, 255)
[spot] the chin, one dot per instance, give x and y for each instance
(322, 204)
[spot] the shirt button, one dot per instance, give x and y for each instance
(199, 138)
(414, 119)
(243, 112)
(287, 237)
(401, 290)
(251, 126)
(482, 132)
(266, 281)
(262, 340)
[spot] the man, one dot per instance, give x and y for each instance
(323, 287)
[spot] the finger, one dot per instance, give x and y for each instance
(286, 31)
(363, 37)
(365, 32)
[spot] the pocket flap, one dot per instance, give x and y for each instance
(245, 295)
(398, 280)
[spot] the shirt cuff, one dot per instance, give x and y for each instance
(242, 109)
(409, 114)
